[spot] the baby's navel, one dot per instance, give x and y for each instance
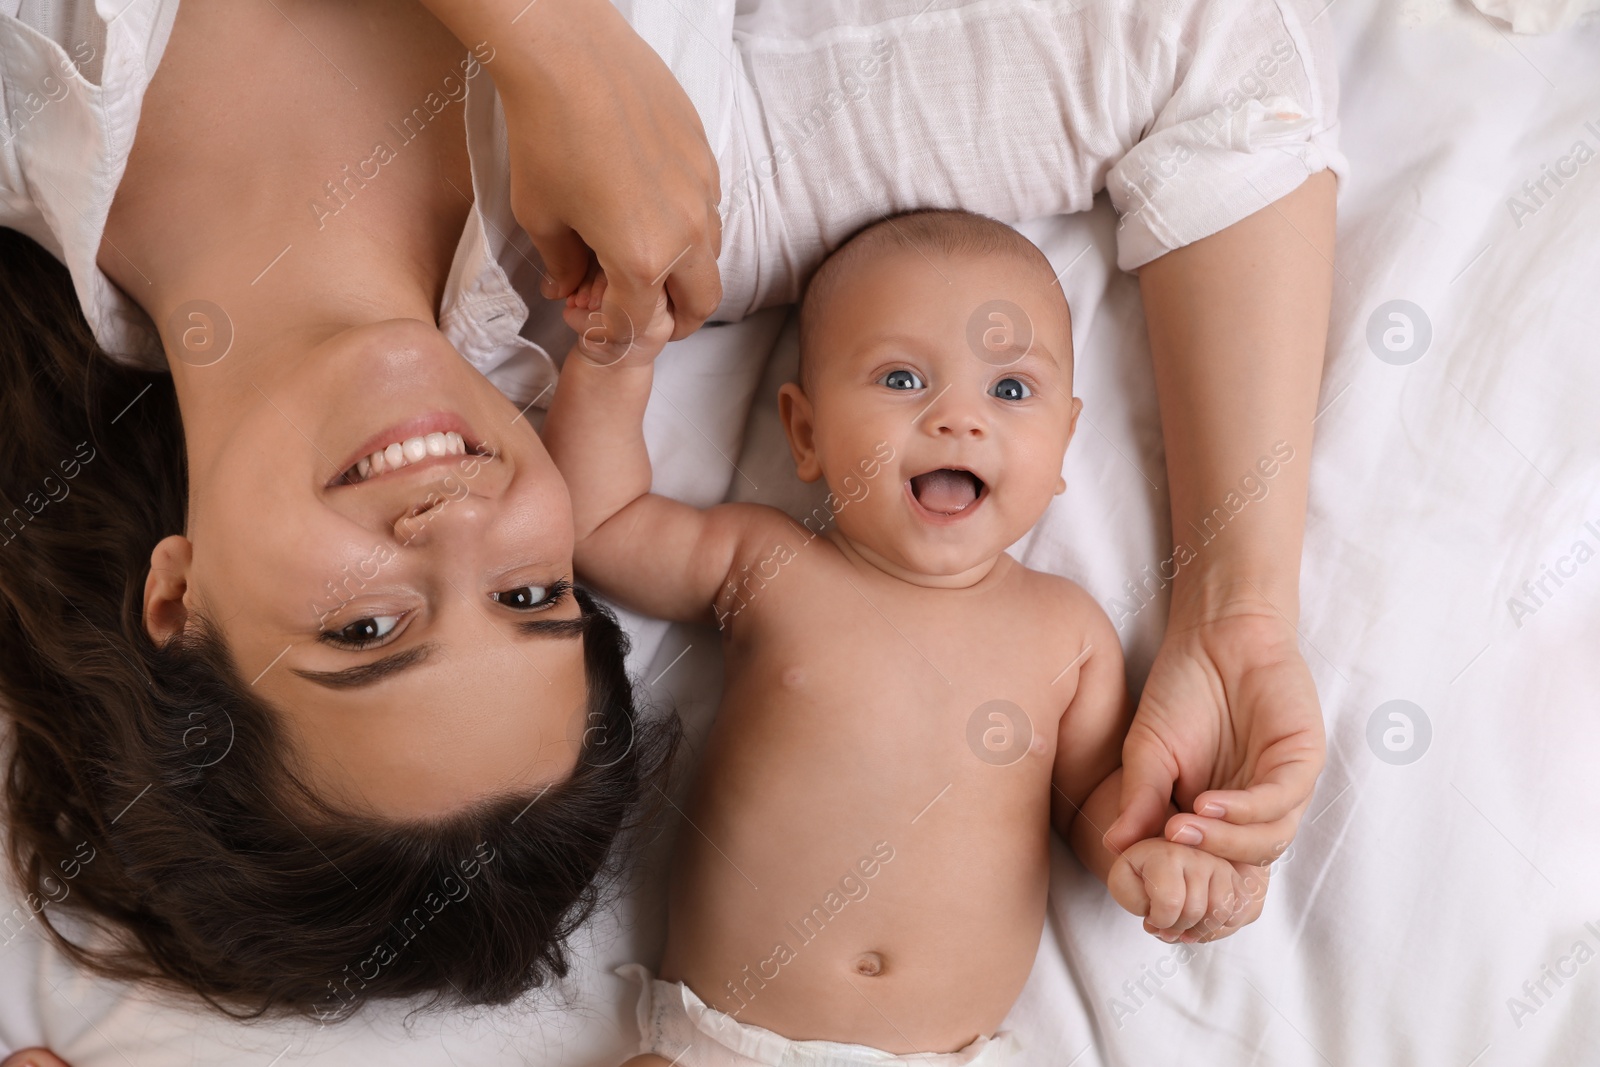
(869, 964)
(793, 676)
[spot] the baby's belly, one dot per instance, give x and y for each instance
(855, 880)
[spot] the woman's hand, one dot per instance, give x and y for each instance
(609, 161)
(1229, 727)
(33, 1057)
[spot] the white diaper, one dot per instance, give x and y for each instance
(677, 1024)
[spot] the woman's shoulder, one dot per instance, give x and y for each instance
(72, 78)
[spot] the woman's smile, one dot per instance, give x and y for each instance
(413, 443)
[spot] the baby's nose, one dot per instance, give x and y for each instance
(957, 419)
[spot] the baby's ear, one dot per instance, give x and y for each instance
(794, 408)
(1072, 424)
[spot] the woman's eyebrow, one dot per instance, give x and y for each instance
(369, 673)
(554, 627)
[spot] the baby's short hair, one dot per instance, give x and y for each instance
(948, 231)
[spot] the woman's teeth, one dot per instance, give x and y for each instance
(404, 453)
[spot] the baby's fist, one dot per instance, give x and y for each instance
(1185, 894)
(634, 344)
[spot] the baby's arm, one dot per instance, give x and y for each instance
(1087, 773)
(1183, 893)
(653, 554)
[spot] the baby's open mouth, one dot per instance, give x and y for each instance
(947, 491)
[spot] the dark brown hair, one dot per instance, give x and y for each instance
(147, 787)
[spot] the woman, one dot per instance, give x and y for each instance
(382, 650)
(265, 824)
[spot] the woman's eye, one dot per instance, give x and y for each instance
(902, 379)
(521, 598)
(1011, 389)
(531, 597)
(363, 633)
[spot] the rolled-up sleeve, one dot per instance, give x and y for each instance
(1193, 113)
(1252, 114)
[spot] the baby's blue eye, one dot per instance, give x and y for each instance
(902, 379)
(1011, 389)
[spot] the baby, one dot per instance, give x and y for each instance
(907, 710)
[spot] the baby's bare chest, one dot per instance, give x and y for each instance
(952, 676)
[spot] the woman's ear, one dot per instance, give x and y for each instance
(794, 408)
(166, 589)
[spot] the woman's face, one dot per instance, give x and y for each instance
(413, 627)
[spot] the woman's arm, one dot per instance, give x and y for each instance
(1228, 724)
(607, 153)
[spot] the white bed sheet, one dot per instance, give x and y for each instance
(1418, 898)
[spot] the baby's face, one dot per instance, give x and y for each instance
(970, 400)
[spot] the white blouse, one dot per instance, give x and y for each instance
(824, 114)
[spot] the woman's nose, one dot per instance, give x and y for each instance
(456, 501)
(444, 516)
(459, 496)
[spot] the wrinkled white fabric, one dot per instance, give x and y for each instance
(829, 114)
(1538, 16)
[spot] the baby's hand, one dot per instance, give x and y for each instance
(1183, 893)
(582, 313)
